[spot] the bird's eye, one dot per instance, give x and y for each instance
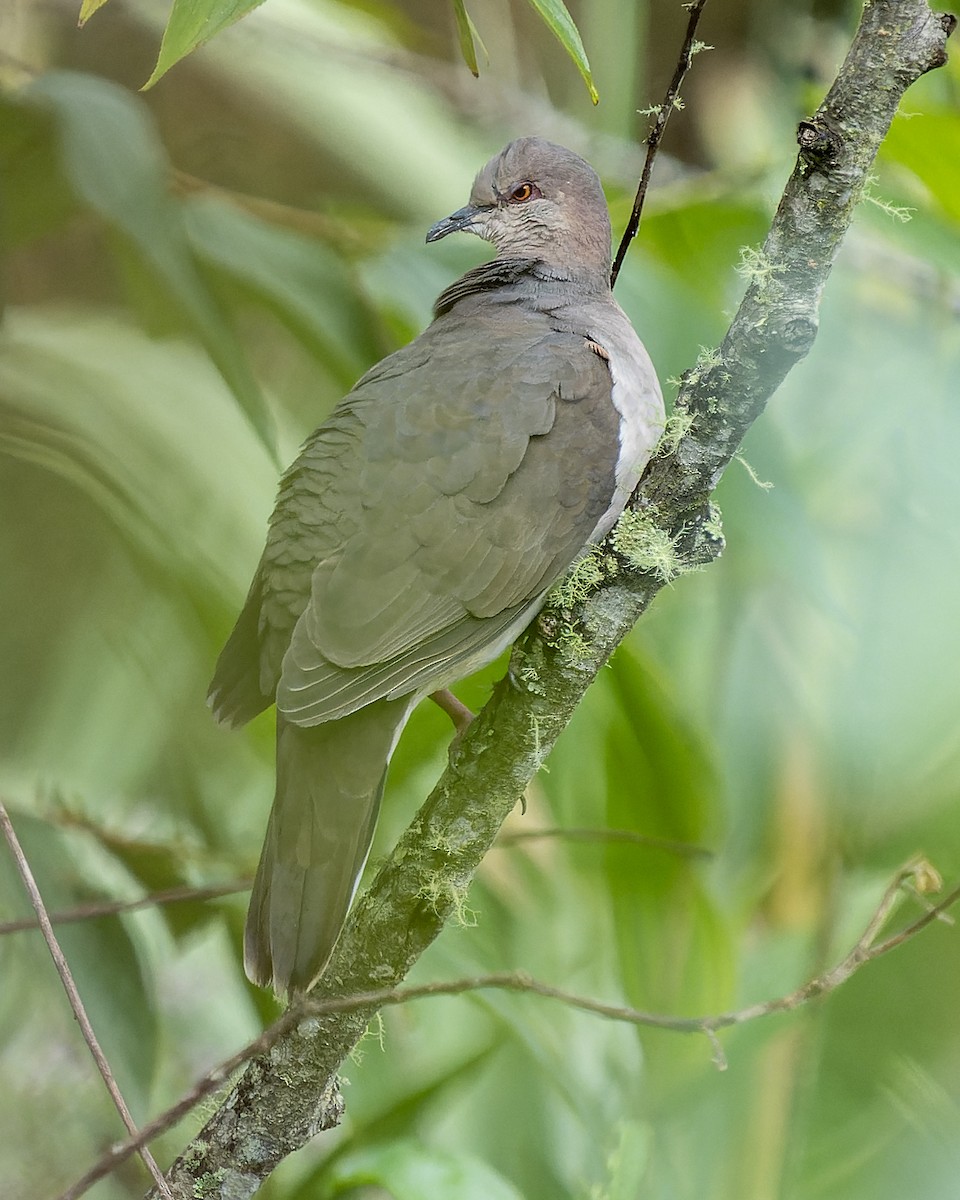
(523, 192)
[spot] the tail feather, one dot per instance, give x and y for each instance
(329, 782)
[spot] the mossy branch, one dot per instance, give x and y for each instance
(917, 878)
(289, 1094)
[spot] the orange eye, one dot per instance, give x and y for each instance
(523, 192)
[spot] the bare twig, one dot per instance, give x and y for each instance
(864, 950)
(185, 895)
(656, 134)
(79, 1012)
(110, 908)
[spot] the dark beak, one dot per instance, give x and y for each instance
(463, 218)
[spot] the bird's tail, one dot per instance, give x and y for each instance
(329, 782)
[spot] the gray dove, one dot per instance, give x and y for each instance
(423, 524)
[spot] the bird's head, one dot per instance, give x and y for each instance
(540, 201)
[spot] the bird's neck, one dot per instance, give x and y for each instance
(502, 273)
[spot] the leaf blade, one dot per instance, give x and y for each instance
(410, 1170)
(87, 9)
(114, 163)
(191, 23)
(465, 32)
(557, 18)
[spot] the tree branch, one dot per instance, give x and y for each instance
(661, 115)
(917, 875)
(289, 1094)
(111, 908)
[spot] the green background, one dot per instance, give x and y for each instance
(793, 709)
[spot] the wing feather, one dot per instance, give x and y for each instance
(421, 524)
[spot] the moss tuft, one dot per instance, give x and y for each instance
(678, 425)
(580, 582)
(713, 525)
(763, 484)
(207, 1183)
(645, 545)
(757, 269)
(442, 894)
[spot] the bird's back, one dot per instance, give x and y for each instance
(457, 480)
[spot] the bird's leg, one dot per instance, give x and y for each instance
(459, 714)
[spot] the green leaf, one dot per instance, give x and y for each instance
(672, 944)
(409, 1170)
(466, 31)
(157, 866)
(717, 225)
(128, 539)
(36, 196)
(929, 147)
(372, 1125)
(629, 1161)
(191, 23)
(87, 9)
(561, 24)
(112, 157)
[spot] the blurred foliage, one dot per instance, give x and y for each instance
(193, 22)
(194, 275)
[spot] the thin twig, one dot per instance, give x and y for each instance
(215, 1078)
(683, 849)
(110, 908)
(656, 135)
(183, 895)
(863, 951)
(79, 1012)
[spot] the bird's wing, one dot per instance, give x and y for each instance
(432, 511)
